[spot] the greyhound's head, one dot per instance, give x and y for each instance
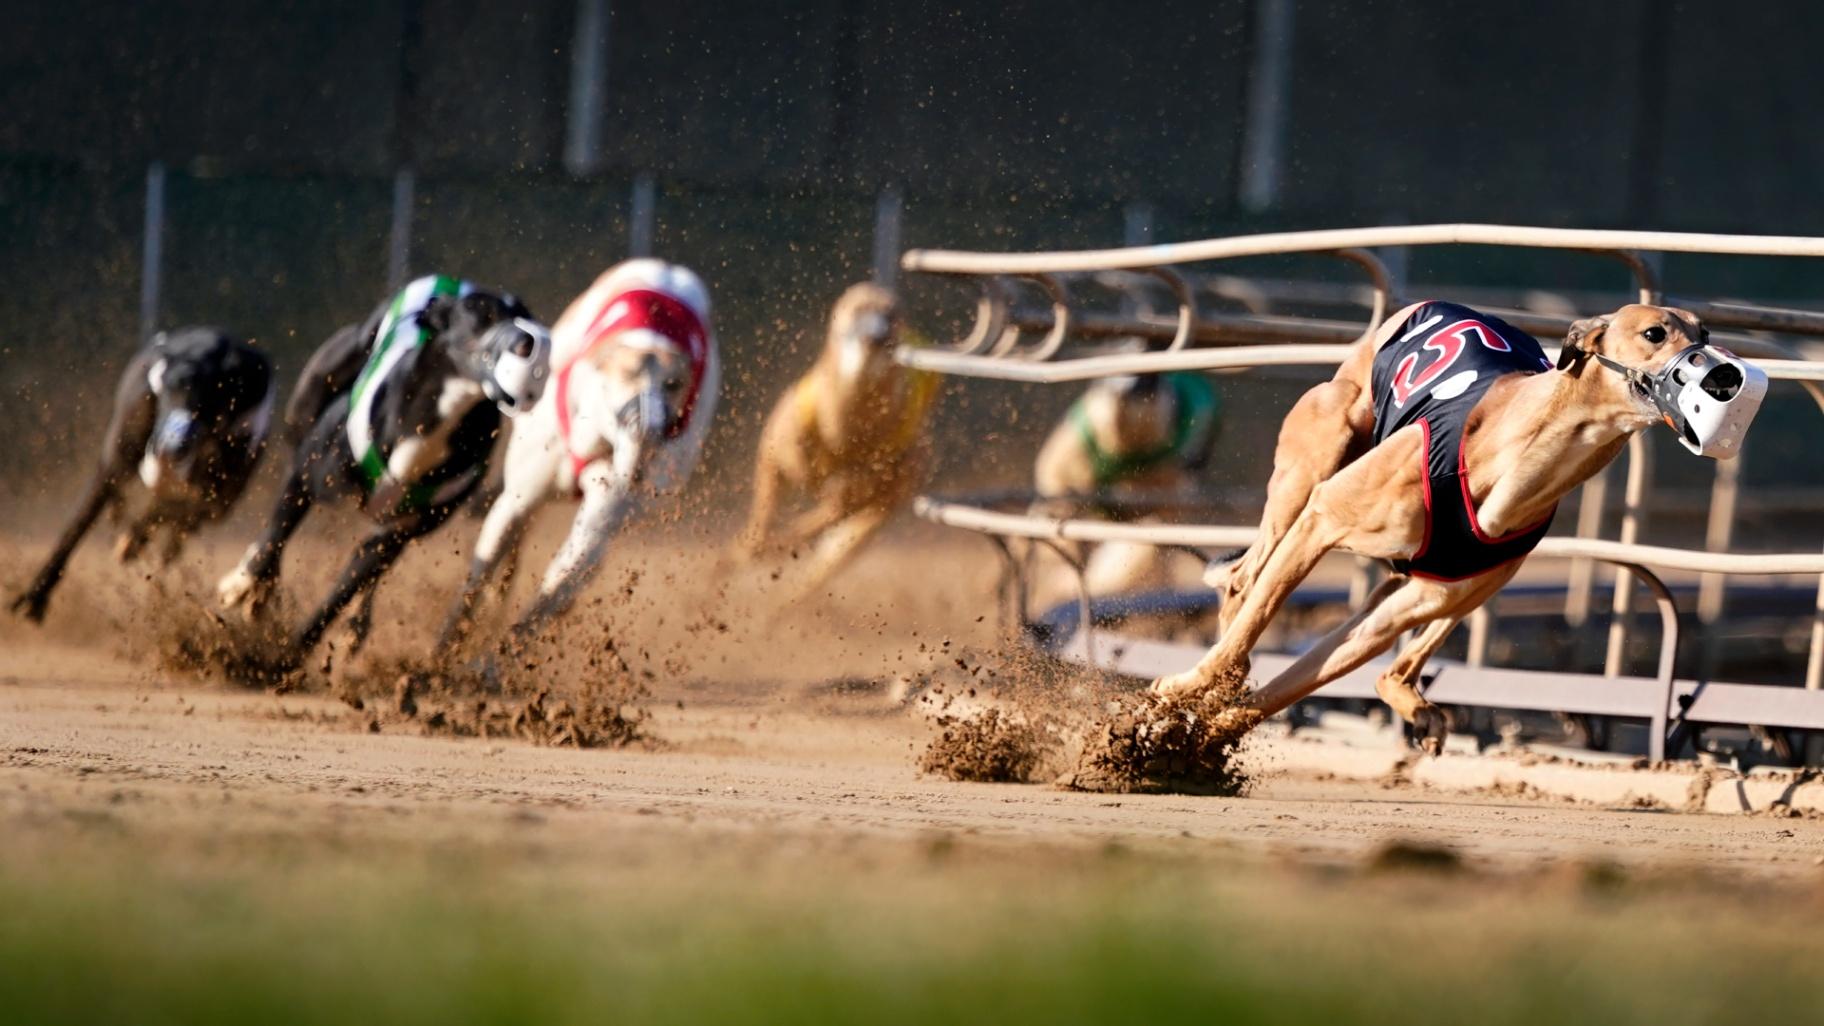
(650, 359)
(1131, 412)
(496, 342)
(208, 388)
(864, 328)
(1664, 368)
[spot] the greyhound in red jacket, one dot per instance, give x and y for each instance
(636, 375)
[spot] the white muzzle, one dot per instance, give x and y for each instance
(1709, 396)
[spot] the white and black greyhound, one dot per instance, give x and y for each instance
(400, 414)
(636, 375)
(190, 419)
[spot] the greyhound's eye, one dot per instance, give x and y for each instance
(1655, 334)
(673, 384)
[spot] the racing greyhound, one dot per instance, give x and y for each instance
(850, 435)
(1443, 445)
(637, 376)
(1143, 433)
(404, 411)
(1139, 437)
(190, 418)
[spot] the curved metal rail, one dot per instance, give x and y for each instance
(945, 261)
(1086, 368)
(1658, 557)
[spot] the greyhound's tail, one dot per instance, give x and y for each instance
(1216, 571)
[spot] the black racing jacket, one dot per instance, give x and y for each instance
(1432, 373)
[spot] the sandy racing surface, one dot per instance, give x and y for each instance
(795, 724)
(189, 759)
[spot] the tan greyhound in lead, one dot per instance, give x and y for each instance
(1443, 445)
(849, 436)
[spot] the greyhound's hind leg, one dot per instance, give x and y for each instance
(496, 557)
(249, 585)
(371, 559)
(1319, 437)
(838, 545)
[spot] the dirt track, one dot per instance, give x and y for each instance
(768, 720)
(89, 737)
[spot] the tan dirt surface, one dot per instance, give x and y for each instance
(793, 723)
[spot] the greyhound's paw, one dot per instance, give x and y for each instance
(1176, 684)
(1216, 575)
(354, 637)
(1221, 569)
(240, 589)
(1430, 727)
(127, 546)
(30, 605)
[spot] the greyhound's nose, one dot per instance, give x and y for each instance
(176, 435)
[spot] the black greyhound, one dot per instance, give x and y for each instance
(189, 419)
(400, 413)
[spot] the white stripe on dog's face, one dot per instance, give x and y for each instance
(852, 355)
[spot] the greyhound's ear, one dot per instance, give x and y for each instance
(1583, 338)
(436, 315)
(1702, 332)
(512, 306)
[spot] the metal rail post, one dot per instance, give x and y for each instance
(1660, 728)
(1719, 531)
(642, 216)
(588, 88)
(889, 208)
(1640, 470)
(153, 251)
(1137, 224)
(1264, 132)
(1085, 607)
(1814, 662)
(399, 237)
(1593, 495)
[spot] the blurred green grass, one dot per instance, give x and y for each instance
(329, 936)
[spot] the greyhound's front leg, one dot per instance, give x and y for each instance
(497, 544)
(606, 506)
(30, 603)
(371, 559)
(767, 479)
(249, 585)
(1312, 535)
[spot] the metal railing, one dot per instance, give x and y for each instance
(1232, 342)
